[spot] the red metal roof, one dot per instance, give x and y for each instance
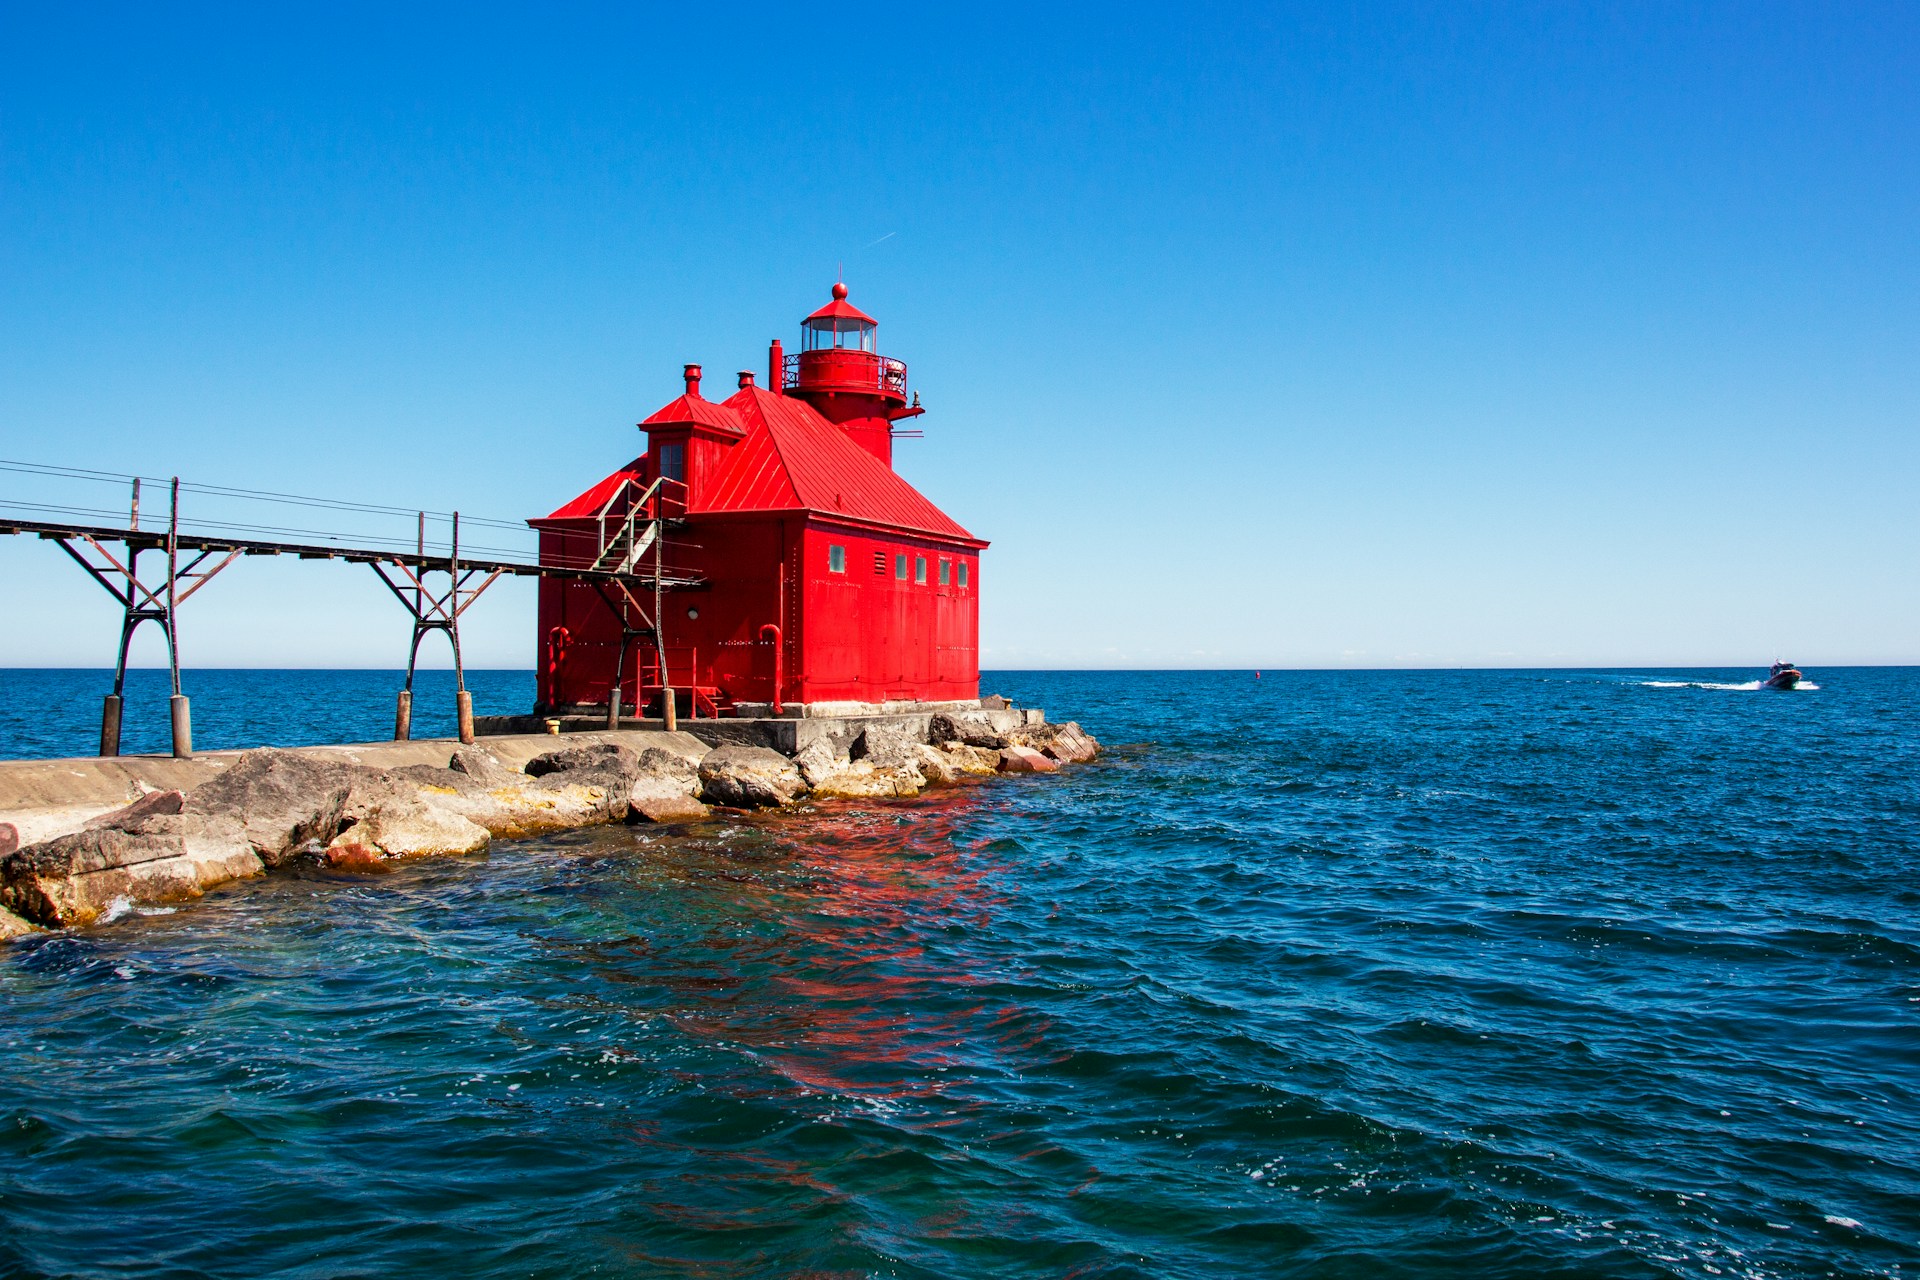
(794, 459)
(588, 504)
(694, 409)
(841, 309)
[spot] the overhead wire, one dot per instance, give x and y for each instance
(256, 495)
(554, 557)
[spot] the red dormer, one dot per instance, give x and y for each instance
(688, 438)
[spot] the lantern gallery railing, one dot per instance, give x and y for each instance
(845, 370)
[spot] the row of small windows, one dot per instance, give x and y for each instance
(951, 571)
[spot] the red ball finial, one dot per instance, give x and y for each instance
(839, 291)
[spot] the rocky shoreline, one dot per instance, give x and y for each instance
(275, 808)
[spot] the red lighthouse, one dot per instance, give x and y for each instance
(770, 552)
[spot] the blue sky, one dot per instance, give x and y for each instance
(1362, 335)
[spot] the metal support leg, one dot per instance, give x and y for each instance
(182, 716)
(116, 701)
(462, 700)
(403, 708)
(110, 726)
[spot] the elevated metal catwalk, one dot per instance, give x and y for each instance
(111, 555)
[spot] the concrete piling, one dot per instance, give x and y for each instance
(667, 709)
(182, 715)
(613, 709)
(403, 716)
(110, 726)
(464, 702)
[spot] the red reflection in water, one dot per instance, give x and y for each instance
(872, 991)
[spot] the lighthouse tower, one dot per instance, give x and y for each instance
(795, 567)
(840, 372)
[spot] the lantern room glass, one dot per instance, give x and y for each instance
(840, 333)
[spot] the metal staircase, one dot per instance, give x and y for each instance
(633, 531)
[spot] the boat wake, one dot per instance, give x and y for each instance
(1745, 686)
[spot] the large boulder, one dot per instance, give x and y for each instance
(1026, 760)
(970, 728)
(483, 768)
(936, 766)
(1066, 743)
(593, 757)
(817, 761)
(284, 801)
(885, 746)
(965, 759)
(149, 805)
(397, 825)
(666, 789)
(75, 879)
(574, 787)
(863, 779)
(749, 778)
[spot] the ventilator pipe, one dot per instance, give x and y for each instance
(777, 647)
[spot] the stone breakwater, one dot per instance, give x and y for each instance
(275, 808)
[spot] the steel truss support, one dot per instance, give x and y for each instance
(140, 602)
(624, 609)
(435, 610)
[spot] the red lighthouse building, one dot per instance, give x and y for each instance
(769, 553)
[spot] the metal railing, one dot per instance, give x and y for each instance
(843, 370)
(628, 539)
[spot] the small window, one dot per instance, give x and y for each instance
(673, 461)
(836, 559)
(946, 569)
(900, 567)
(963, 573)
(880, 562)
(920, 570)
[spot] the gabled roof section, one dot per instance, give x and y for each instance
(694, 410)
(794, 459)
(588, 504)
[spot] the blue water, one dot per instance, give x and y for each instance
(56, 713)
(1509, 974)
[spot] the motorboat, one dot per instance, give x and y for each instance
(1781, 675)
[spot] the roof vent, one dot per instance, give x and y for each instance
(692, 374)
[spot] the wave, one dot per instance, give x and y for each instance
(1746, 686)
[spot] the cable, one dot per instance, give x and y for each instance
(256, 495)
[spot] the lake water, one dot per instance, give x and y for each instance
(1509, 974)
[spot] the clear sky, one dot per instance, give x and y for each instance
(1367, 335)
